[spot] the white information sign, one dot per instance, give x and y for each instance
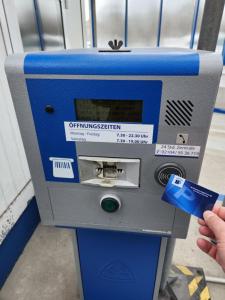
(177, 150)
(121, 133)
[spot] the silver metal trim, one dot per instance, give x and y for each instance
(161, 260)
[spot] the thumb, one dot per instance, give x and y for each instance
(216, 224)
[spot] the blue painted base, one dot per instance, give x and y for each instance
(17, 238)
(117, 265)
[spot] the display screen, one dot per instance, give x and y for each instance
(109, 110)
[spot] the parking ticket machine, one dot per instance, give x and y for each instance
(103, 131)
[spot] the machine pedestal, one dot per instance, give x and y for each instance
(118, 265)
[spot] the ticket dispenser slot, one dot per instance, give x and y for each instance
(109, 172)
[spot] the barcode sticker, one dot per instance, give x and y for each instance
(62, 167)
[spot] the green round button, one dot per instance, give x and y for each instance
(110, 205)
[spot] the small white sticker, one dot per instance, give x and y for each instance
(109, 132)
(178, 181)
(62, 167)
(177, 150)
(182, 138)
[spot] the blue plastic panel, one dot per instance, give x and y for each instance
(60, 93)
(117, 265)
(17, 238)
(132, 63)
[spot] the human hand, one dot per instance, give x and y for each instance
(213, 227)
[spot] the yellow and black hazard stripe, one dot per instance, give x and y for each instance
(197, 286)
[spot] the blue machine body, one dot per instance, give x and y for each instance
(114, 265)
(103, 131)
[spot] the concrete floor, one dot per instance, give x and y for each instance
(46, 271)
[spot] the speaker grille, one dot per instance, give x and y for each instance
(179, 112)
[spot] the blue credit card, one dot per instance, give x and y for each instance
(188, 196)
